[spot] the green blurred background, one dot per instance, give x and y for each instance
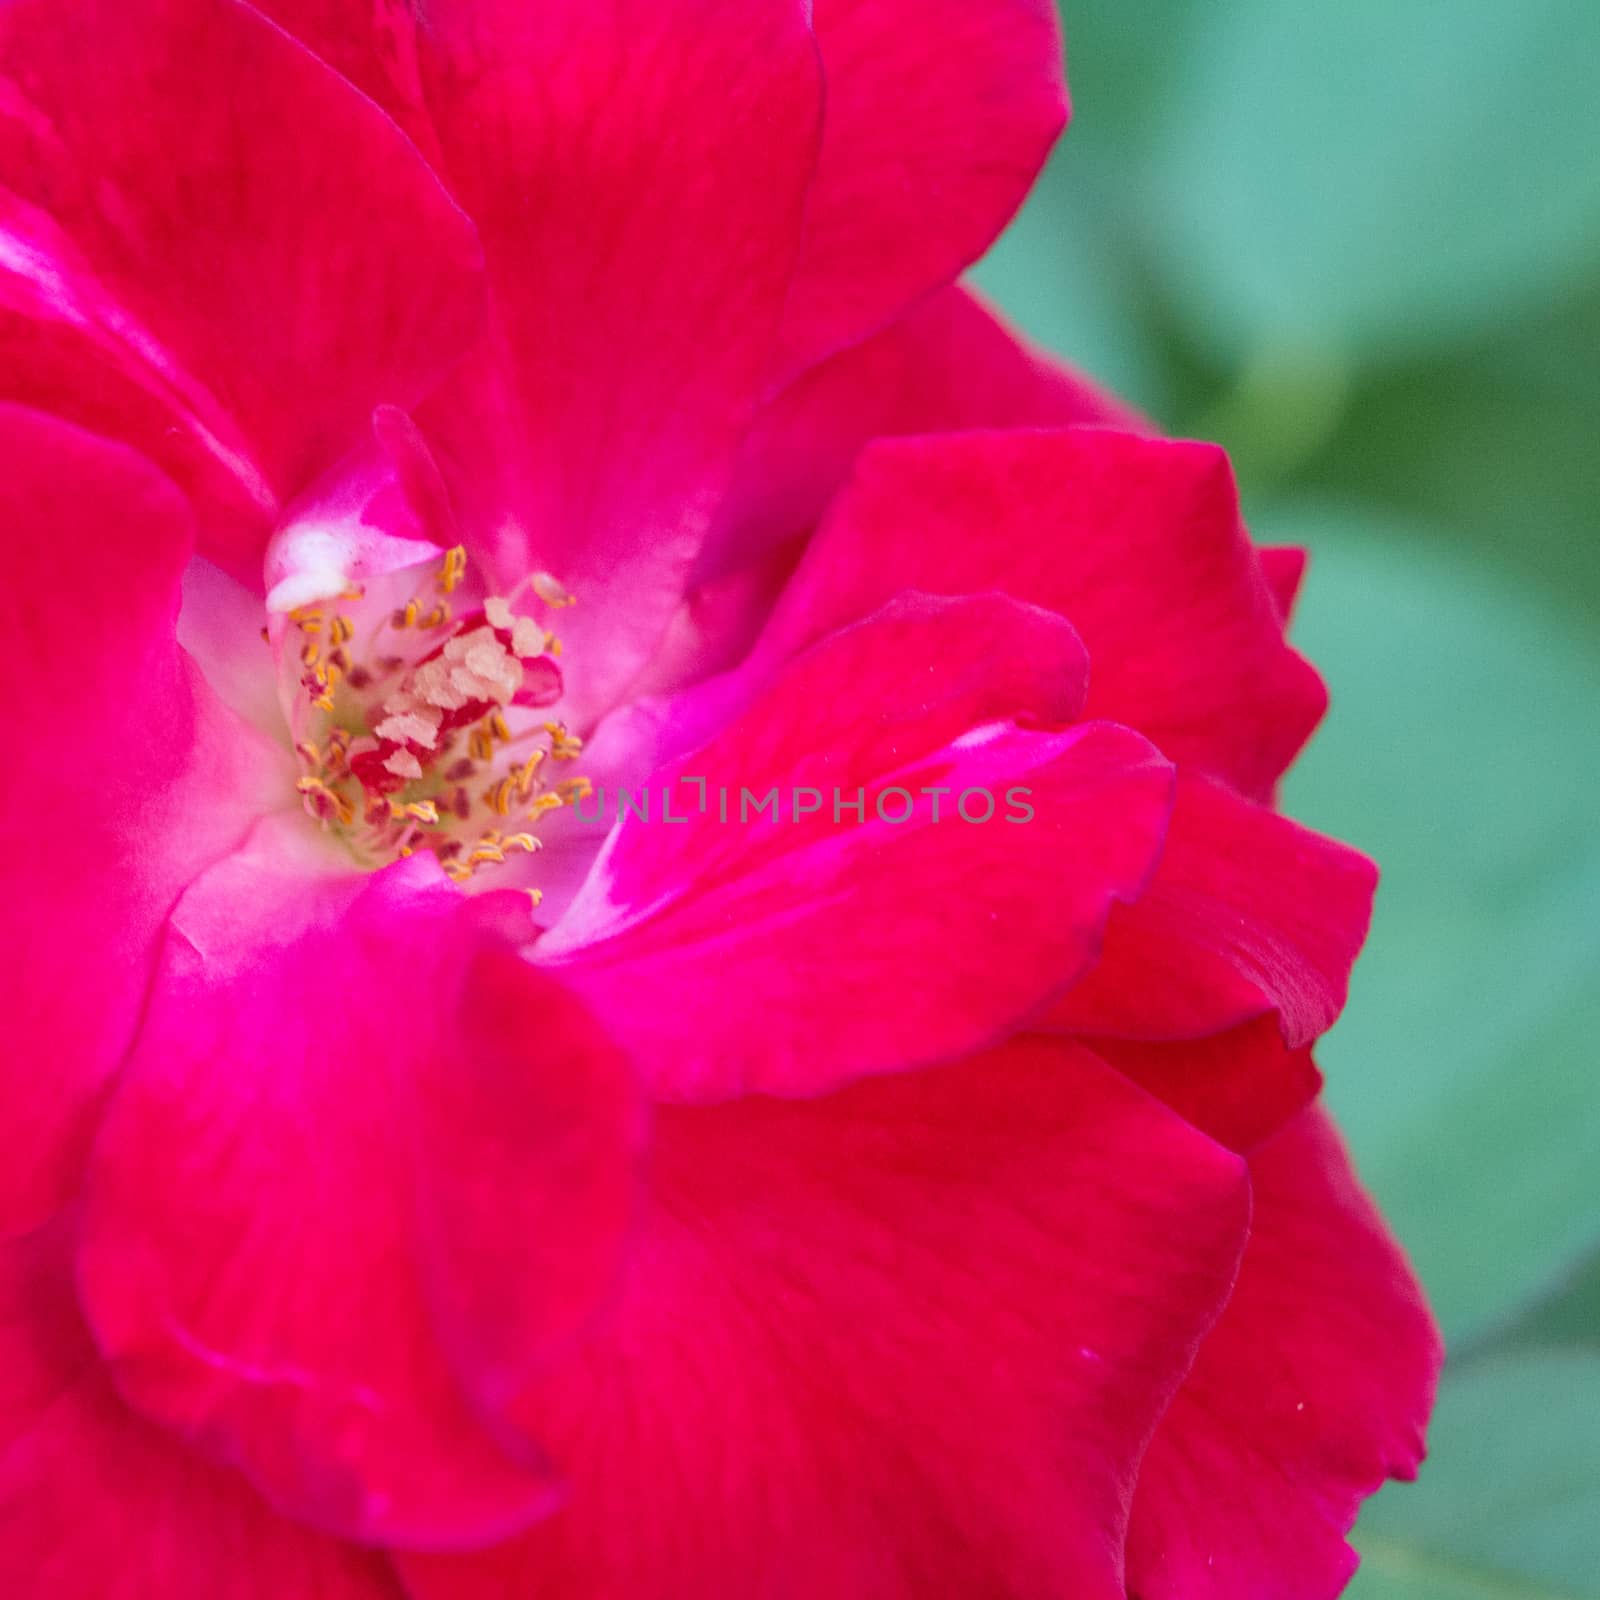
(1358, 243)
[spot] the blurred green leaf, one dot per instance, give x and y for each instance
(1508, 1503)
(1496, 443)
(1463, 753)
(1568, 1315)
(1372, 177)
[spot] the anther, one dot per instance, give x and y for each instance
(550, 589)
(455, 565)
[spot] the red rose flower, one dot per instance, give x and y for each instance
(648, 952)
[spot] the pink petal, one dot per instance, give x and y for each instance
(1311, 1390)
(731, 956)
(638, 174)
(365, 1170)
(1136, 541)
(904, 1341)
(247, 249)
(126, 777)
(949, 364)
(939, 117)
(1248, 912)
(98, 1502)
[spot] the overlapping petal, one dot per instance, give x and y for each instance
(948, 365)
(96, 1501)
(906, 1340)
(972, 916)
(1239, 1086)
(125, 777)
(1311, 1390)
(212, 246)
(939, 117)
(365, 1172)
(1248, 912)
(639, 254)
(1136, 541)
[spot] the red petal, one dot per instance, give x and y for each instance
(364, 1171)
(1311, 1390)
(736, 955)
(98, 1502)
(904, 1341)
(950, 364)
(228, 256)
(1239, 1086)
(638, 174)
(1285, 569)
(1136, 541)
(939, 116)
(125, 778)
(1248, 912)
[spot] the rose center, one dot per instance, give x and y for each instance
(417, 721)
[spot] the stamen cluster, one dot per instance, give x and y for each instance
(413, 723)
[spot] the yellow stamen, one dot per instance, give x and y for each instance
(454, 567)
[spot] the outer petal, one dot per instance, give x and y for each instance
(638, 173)
(364, 1172)
(95, 1501)
(755, 952)
(904, 1341)
(1311, 1390)
(1248, 912)
(1285, 567)
(1137, 541)
(125, 778)
(216, 248)
(939, 117)
(949, 364)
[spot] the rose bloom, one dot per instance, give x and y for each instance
(422, 424)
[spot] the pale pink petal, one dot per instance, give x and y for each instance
(1311, 1390)
(364, 1171)
(95, 1501)
(126, 777)
(904, 1341)
(811, 917)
